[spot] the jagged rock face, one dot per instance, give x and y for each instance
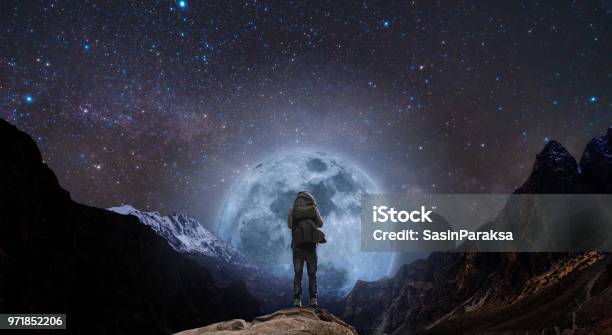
(596, 164)
(301, 321)
(109, 273)
(500, 293)
(555, 171)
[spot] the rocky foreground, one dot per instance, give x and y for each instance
(287, 321)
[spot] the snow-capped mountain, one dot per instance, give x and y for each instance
(185, 234)
(225, 263)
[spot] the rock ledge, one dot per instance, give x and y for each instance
(286, 321)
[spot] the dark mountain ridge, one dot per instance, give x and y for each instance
(109, 273)
(501, 293)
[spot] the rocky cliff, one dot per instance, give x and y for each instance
(501, 293)
(301, 321)
(108, 272)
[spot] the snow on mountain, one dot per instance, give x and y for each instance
(185, 234)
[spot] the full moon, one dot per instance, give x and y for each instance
(254, 217)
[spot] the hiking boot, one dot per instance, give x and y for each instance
(313, 303)
(297, 302)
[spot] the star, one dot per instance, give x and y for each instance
(225, 88)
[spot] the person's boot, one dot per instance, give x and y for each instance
(313, 302)
(297, 302)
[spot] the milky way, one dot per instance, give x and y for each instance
(163, 104)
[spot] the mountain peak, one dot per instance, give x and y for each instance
(553, 147)
(596, 163)
(555, 171)
(554, 155)
(185, 234)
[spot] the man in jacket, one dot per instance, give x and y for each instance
(304, 221)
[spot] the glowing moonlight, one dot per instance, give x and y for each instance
(254, 217)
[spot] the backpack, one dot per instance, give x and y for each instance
(305, 231)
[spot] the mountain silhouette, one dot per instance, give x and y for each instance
(108, 272)
(501, 293)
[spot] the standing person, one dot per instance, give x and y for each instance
(304, 221)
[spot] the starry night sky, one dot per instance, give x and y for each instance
(163, 104)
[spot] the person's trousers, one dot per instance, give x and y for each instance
(309, 256)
